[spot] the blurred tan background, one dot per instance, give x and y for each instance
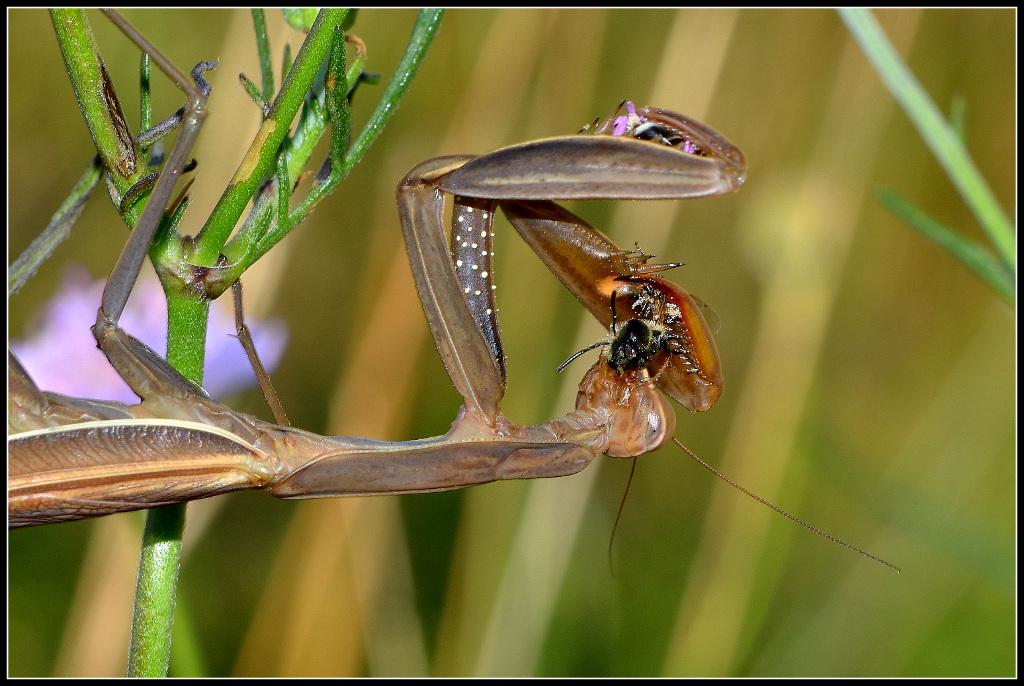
(870, 380)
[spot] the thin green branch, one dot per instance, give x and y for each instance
(260, 158)
(145, 100)
(56, 231)
(251, 243)
(428, 21)
(96, 98)
(259, 21)
(150, 648)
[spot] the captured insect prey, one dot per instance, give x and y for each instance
(636, 342)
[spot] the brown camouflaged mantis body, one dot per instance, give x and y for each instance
(71, 458)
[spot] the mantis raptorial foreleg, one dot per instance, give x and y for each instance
(649, 154)
(126, 270)
(112, 457)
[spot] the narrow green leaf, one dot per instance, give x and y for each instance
(976, 257)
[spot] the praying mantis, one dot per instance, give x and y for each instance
(72, 458)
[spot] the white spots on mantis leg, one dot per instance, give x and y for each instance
(472, 255)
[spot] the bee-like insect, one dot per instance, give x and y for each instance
(634, 344)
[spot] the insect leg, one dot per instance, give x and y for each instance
(463, 347)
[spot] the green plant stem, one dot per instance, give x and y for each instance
(95, 97)
(145, 99)
(938, 135)
(149, 652)
(153, 614)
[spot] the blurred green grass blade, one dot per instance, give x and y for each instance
(977, 258)
(938, 135)
(958, 117)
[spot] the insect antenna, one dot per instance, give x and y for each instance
(618, 517)
(783, 512)
(578, 353)
(595, 345)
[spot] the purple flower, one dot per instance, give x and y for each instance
(62, 356)
(627, 121)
